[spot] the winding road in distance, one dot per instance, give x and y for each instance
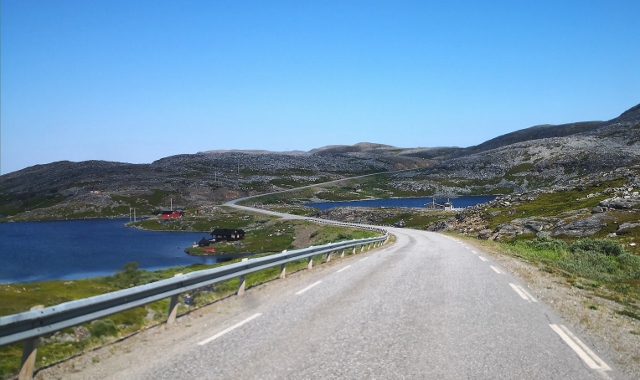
(425, 307)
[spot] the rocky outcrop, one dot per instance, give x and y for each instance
(620, 203)
(583, 227)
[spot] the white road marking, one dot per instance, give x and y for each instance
(498, 271)
(308, 287)
(474, 252)
(483, 258)
(221, 333)
(347, 267)
(523, 293)
(363, 259)
(586, 349)
(587, 356)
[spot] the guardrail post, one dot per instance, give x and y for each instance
(173, 309)
(310, 263)
(283, 271)
(362, 248)
(173, 306)
(29, 353)
(354, 251)
(242, 282)
(328, 257)
(342, 254)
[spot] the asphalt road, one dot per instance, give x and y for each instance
(425, 307)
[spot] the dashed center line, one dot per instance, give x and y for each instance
(474, 252)
(523, 293)
(363, 259)
(483, 258)
(498, 271)
(347, 267)
(229, 329)
(308, 287)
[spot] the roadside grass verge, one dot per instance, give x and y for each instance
(600, 265)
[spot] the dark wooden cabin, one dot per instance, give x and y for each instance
(220, 234)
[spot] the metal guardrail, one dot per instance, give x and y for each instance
(36, 323)
(29, 326)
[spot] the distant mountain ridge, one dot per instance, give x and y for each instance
(519, 161)
(537, 132)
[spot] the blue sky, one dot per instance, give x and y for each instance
(135, 81)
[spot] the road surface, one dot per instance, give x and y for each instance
(425, 307)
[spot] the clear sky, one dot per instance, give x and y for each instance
(135, 81)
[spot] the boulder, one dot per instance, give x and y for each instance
(485, 234)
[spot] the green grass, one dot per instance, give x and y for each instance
(598, 261)
(12, 204)
(280, 235)
(522, 168)
(219, 217)
(419, 220)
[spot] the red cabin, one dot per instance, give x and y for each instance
(172, 214)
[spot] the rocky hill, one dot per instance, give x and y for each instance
(97, 188)
(522, 161)
(537, 162)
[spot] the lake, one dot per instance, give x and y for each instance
(67, 250)
(458, 202)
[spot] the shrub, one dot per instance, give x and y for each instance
(103, 327)
(590, 264)
(603, 246)
(548, 243)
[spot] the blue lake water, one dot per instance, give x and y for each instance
(66, 250)
(458, 202)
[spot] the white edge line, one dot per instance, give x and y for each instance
(583, 355)
(347, 267)
(498, 271)
(221, 333)
(514, 287)
(532, 298)
(586, 349)
(483, 258)
(308, 287)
